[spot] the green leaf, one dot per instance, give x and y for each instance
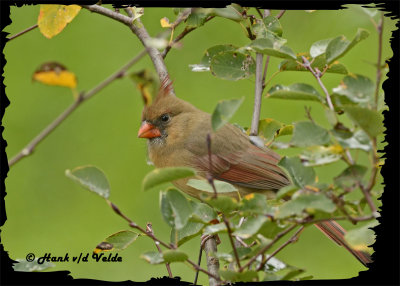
(369, 120)
(117, 241)
(215, 50)
(356, 88)
(153, 257)
(339, 46)
(189, 231)
(358, 140)
(307, 133)
(308, 202)
(362, 237)
(232, 12)
(173, 255)
(196, 19)
(165, 175)
(24, 266)
(250, 227)
(350, 176)
(272, 47)
(263, 27)
(202, 212)
(255, 204)
(220, 186)
(223, 204)
(166, 210)
(91, 178)
(176, 206)
(301, 175)
(298, 91)
(285, 130)
(286, 191)
(268, 128)
(319, 48)
(215, 228)
(321, 155)
(224, 111)
(234, 276)
(268, 231)
(232, 65)
(318, 62)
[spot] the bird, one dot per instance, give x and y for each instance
(177, 131)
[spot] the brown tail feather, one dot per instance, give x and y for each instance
(336, 232)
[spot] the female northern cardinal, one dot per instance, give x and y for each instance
(177, 133)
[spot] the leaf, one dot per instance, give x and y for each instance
(203, 212)
(165, 23)
(286, 191)
(358, 140)
(224, 111)
(362, 237)
(153, 257)
(189, 231)
(197, 18)
(318, 62)
(232, 12)
(356, 88)
(220, 186)
(117, 241)
(24, 266)
(321, 155)
(319, 48)
(285, 130)
(175, 208)
(350, 176)
(250, 227)
(301, 175)
(268, 128)
(214, 50)
(215, 228)
(136, 12)
(232, 65)
(164, 175)
(173, 255)
(267, 25)
(53, 73)
(53, 18)
(307, 133)
(91, 178)
(268, 231)
(296, 91)
(146, 83)
(244, 276)
(255, 204)
(223, 204)
(339, 46)
(308, 202)
(369, 120)
(272, 48)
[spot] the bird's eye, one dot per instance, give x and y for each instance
(164, 118)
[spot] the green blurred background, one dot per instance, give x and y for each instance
(47, 212)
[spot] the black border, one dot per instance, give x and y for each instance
(385, 269)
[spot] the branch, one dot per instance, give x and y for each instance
(30, 147)
(210, 247)
(149, 230)
(292, 239)
(280, 14)
(317, 74)
(21, 33)
(257, 96)
(379, 29)
(268, 246)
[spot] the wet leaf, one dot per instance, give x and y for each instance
(53, 18)
(175, 208)
(224, 111)
(91, 178)
(272, 47)
(53, 73)
(300, 175)
(267, 25)
(307, 133)
(164, 175)
(250, 227)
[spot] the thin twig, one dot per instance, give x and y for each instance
(268, 246)
(257, 96)
(265, 72)
(379, 29)
(149, 230)
(280, 14)
(21, 33)
(292, 239)
(317, 74)
(30, 147)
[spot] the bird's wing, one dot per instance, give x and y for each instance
(238, 162)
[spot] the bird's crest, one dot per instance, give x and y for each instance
(165, 88)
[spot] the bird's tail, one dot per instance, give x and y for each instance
(336, 232)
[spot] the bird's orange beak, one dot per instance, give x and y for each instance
(148, 130)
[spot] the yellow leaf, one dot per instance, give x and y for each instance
(165, 23)
(53, 18)
(55, 74)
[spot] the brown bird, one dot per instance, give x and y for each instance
(177, 132)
